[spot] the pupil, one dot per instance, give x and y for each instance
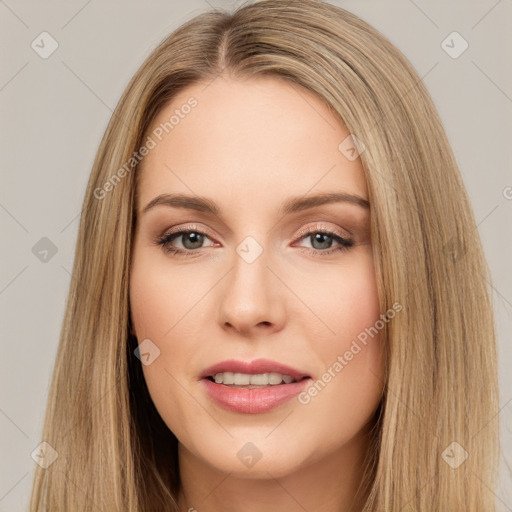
(318, 238)
(195, 238)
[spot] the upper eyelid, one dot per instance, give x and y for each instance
(317, 227)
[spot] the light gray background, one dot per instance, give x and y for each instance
(54, 112)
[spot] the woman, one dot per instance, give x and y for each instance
(209, 360)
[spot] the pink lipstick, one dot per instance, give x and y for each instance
(252, 387)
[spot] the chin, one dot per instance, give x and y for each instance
(258, 459)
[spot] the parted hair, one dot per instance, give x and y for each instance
(441, 390)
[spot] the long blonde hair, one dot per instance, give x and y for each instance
(441, 391)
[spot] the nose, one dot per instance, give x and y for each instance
(251, 298)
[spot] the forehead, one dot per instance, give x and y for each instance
(247, 142)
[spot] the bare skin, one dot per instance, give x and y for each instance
(249, 146)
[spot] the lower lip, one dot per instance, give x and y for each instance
(256, 400)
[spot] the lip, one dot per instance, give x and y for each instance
(254, 367)
(253, 401)
(256, 400)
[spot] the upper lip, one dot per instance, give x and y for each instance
(254, 367)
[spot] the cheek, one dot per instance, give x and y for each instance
(354, 306)
(160, 296)
(159, 314)
(351, 352)
(344, 299)
(358, 324)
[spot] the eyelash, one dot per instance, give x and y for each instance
(165, 242)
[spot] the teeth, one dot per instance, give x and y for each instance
(245, 379)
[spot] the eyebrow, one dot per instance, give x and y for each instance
(291, 205)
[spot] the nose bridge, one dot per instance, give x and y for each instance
(249, 295)
(249, 278)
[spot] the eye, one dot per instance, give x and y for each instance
(191, 239)
(321, 241)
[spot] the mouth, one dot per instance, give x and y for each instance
(259, 373)
(253, 387)
(252, 381)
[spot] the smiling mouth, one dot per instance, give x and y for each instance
(253, 381)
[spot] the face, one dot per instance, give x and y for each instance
(257, 281)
